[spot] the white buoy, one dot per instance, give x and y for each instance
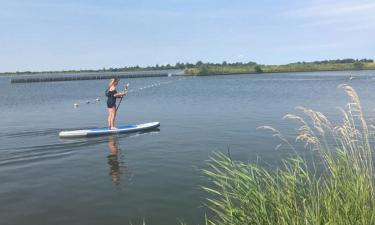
(76, 105)
(97, 99)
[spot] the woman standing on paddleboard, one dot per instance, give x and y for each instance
(112, 94)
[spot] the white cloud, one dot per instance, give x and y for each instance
(311, 47)
(334, 9)
(338, 15)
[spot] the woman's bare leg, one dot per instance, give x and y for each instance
(109, 118)
(114, 117)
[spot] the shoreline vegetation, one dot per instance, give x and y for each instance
(202, 69)
(225, 68)
(338, 188)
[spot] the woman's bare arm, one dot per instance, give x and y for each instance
(120, 94)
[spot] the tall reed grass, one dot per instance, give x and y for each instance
(342, 192)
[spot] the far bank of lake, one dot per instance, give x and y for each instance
(201, 68)
(227, 69)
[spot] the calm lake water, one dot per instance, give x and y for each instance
(156, 175)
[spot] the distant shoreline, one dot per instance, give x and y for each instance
(224, 68)
(209, 69)
(312, 71)
(88, 72)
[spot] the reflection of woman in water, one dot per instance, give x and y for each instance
(113, 160)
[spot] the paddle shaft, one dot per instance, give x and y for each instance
(125, 91)
(119, 104)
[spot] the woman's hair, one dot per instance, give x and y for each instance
(112, 81)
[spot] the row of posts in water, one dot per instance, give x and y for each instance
(77, 77)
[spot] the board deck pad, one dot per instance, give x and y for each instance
(106, 131)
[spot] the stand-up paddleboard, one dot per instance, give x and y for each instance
(107, 131)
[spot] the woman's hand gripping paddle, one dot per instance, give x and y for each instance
(124, 91)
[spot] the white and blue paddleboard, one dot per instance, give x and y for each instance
(107, 131)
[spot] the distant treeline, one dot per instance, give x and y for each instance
(157, 67)
(208, 68)
(252, 67)
(338, 61)
(120, 69)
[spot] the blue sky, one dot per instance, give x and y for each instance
(40, 35)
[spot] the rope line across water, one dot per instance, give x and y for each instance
(133, 90)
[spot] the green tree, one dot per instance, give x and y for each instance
(258, 69)
(358, 65)
(203, 70)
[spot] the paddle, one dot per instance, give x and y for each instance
(125, 91)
